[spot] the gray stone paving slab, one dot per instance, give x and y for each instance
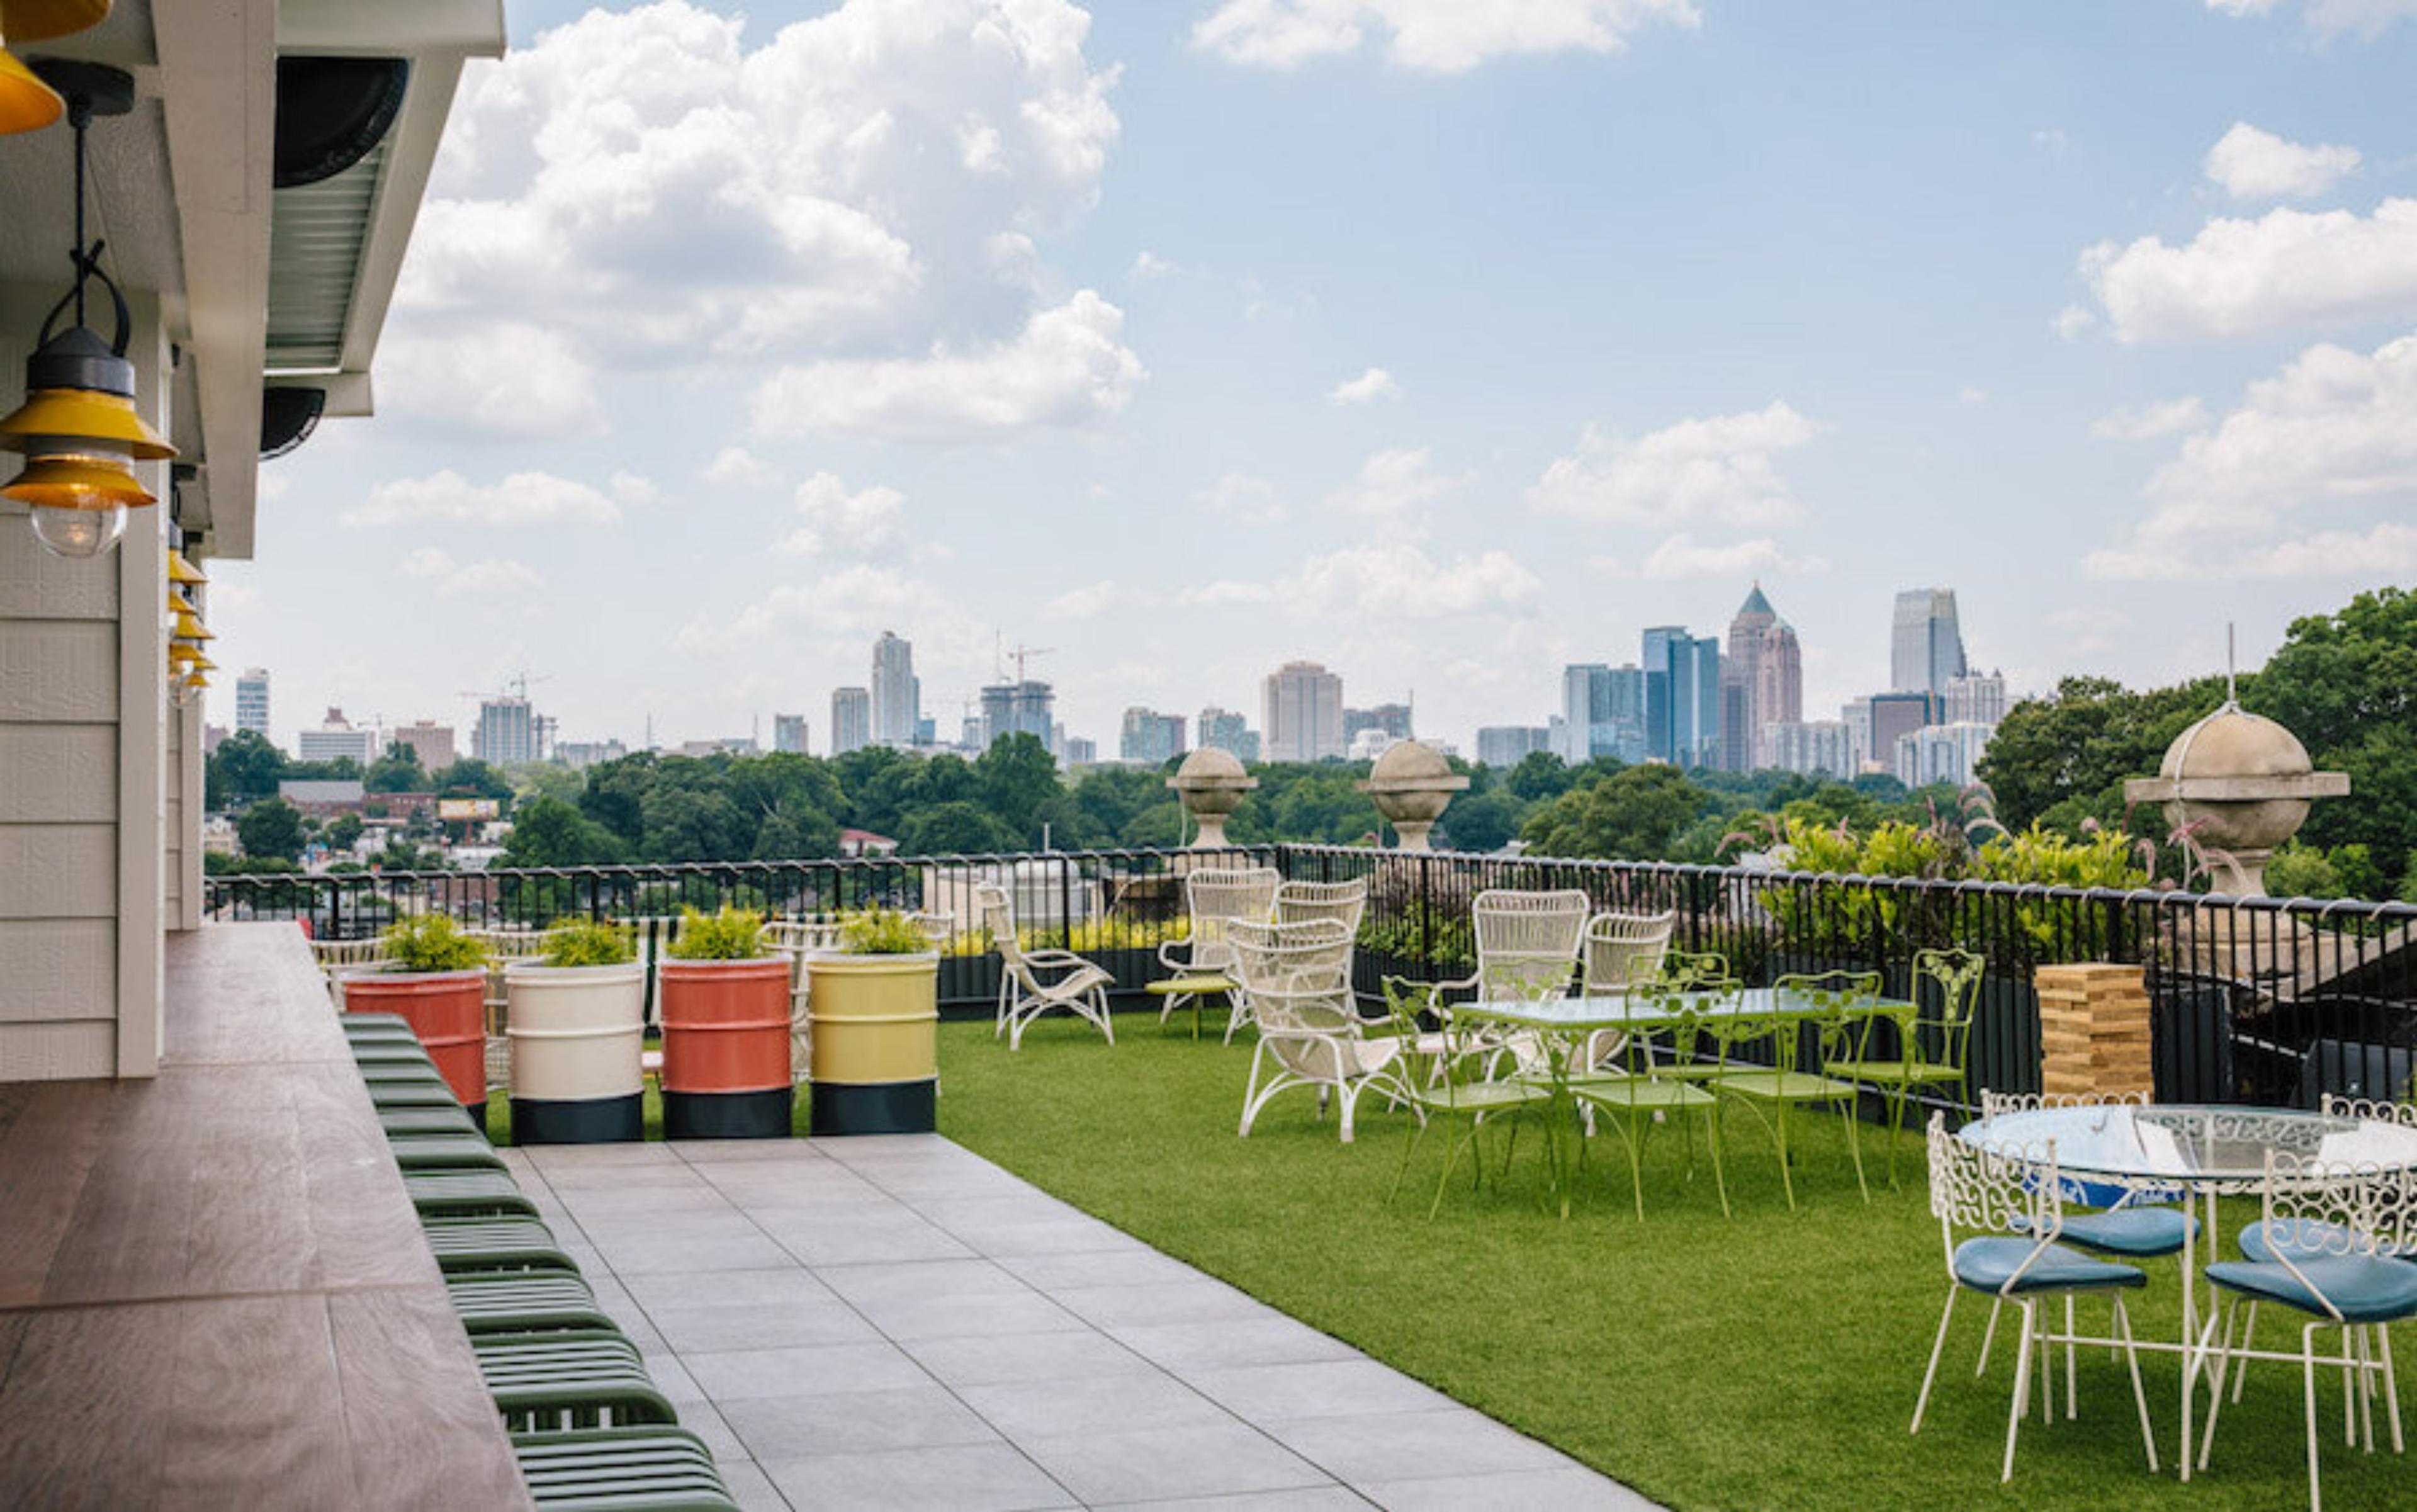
(895, 1324)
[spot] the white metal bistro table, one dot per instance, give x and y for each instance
(2201, 1154)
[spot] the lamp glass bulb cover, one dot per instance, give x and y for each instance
(78, 532)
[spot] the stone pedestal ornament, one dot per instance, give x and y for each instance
(2237, 784)
(1211, 785)
(1411, 785)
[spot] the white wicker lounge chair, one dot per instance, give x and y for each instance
(1033, 982)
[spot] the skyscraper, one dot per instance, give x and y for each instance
(1506, 745)
(1225, 731)
(1925, 643)
(1977, 699)
(851, 720)
(897, 694)
(1150, 737)
(1303, 708)
(506, 734)
(251, 701)
(789, 733)
(1893, 715)
(1602, 713)
(338, 740)
(1762, 683)
(1025, 708)
(432, 742)
(1682, 697)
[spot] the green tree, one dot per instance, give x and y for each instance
(1017, 778)
(343, 830)
(2064, 758)
(547, 832)
(272, 828)
(1485, 821)
(470, 778)
(244, 767)
(397, 772)
(955, 829)
(1540, 777)
(1633, 814)
(2345, 684)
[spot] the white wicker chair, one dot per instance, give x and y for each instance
(1526, 942)
(1620, 948)
(1299, 980)
(1033, 982)
(338, 956)
(1343, 902)
(1216, 897)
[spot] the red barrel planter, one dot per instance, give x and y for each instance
(727, 1048)
(447, 1012)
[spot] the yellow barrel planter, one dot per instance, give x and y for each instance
(875, 1021)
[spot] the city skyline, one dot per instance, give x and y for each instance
(1974, 303)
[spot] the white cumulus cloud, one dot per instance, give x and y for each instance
(1367, 388)
(1250, 501)
(1719, 468)
(489, 577)
(1395, 580)
(2286, 269)
(1427, 35)
(836, 520)
(1067, 366)
(735, 466)
(521, 499)
(2251, 164)
(1391, 484)
(2147, 422)
(509, 381)
(2363, 18)
(2335, 431)
(1682, 557)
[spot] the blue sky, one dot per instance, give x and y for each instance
(1438, 342)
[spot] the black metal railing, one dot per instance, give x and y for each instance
(2254, 999)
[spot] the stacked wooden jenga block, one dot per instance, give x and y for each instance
(2093, 1028)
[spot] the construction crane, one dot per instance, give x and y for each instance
(1020, 656)
(515, 686)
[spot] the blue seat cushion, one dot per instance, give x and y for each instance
(1986, 1264)
(2302, 1239)
(2142, 1233)
(2364, 1288)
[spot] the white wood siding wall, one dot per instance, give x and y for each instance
(82, 744)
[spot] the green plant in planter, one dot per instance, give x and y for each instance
(589, 943)
(884, 932)
(730, 935)
(431, 942)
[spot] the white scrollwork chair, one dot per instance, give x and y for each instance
(1527, 948)
(1299, 980)
(1032, 982)
(1217, 897)
(2005, 1199)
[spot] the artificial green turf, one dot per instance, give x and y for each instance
(1765, 1361)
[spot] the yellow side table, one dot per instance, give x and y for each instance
(1174, 991)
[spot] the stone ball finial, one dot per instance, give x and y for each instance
(1211, 784)
(2237, 784)
(1411, 785)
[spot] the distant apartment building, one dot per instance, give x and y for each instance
(1150, 737)
(338, 740)
(1222, 729)
(507, 732)
(1942, 753)
(432, 742)
(897, 692)
(251, 701)
(725, 745)
(1025, 708)
(1079, 751)
(1682, 697)
(1813, 747)
(1506, 746)
(1301, 713)
(1762, 683)
(580, 755)
(1979, 698)
(1602, 713)
(789, 733)
(1390, 719)
(851, 721)
(1925, 642)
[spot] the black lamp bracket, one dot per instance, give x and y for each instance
(90, 89)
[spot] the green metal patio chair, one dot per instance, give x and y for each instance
(524, 1301)
(464, 1194)
(1450, 1087)
(621, 1469)
(569, 1381)
(1634, 1102)
(1956, 974)
(495, 1245)
(1828, 1003)
(1688, 988)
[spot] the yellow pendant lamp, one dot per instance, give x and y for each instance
(182, 573)
(26, 103)
(190, 627)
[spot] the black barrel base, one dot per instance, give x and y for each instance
(738, 1115)
(584, 1120)
(478, 1112)
(880, 1108)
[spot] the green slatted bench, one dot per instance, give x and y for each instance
(413, 1073)
(461, 1194)
(390, 1053)
(570, 1381)
(443, 1151)
(621, 1469)
(384, 1095)
(448, 1118)
(495, 1245)
(375, 1025)
(506, 1302)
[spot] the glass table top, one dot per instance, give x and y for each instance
(1634, 1011)
(2179, 1143)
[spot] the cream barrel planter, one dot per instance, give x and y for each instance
(875, 1043)
(577, 1033)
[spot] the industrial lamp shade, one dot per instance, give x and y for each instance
(79, 430)
(184, 573)
(190, 627)
(26, 103)
(38, 21)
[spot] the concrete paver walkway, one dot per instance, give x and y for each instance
(895, 1323)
